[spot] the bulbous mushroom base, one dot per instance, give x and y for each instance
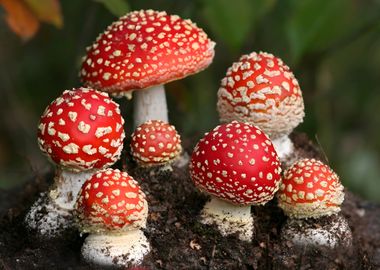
(331, 231)
(116, 249)
(229, 218)
(47, 219)
(51, 214)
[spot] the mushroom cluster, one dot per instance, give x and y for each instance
(237, 163)
(81, 131)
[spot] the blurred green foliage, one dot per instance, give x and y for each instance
(333, 47)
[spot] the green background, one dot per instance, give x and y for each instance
(332, 46)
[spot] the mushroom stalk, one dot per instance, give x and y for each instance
(118, 248)
(66, 187)
(230, 218)
(283, 146)
(150, 104)
(51, 213)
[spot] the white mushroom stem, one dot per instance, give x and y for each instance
(150, 104)
(283, 146)
(51, 214)
(229, 218)
(336, 233)
(116, 248)
(66, 187)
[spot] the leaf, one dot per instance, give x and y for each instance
(116, 7)
(233, 20)
(316, 24)
(48, 11)
(20, 19)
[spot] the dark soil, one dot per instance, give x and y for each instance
(179, 241)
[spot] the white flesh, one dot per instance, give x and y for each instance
(119, 249)
(229, 218)
(150, 104)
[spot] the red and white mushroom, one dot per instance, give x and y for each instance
(144, 50)
(80, 131)
(113, 209)
(235, 163)
(155, 143)
(261, 89)
(310, 189)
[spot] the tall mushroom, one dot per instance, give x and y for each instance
(261, 89)
(113, 209)
(144, 50)
(311, 192)
(235, 163)
(80, 131)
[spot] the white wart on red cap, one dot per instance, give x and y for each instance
(261, 89)
(146, 48)
(236, 162)
(81, 130)
(111, 200)
(310, 189)
(155, 143)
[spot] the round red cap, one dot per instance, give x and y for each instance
(111, 200)
(146, 48)
(310, 189)
(236, 162)
(155, 143)
(82, 130)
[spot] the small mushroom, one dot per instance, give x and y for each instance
(235, 163)
(81, 131)
(261, 89)
(144, 50)
(113, 209)
(310, 193)
(155, 143)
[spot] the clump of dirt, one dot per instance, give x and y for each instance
(179, 241)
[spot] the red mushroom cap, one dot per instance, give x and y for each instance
(111, 200)
(146, 48)
(81, 130)
(155, 142)
(236, 162)
(310, 189)
(261, 89)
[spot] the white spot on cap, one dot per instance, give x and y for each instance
(83, 127)
(71, 148)
(101, 131)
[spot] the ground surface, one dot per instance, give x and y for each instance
(179, 241)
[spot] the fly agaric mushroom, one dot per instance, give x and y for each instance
(261, 89)
(311, 190)
(155, 143)
(144, 50)
(113, 209)
(80, 131)
(235, 163)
